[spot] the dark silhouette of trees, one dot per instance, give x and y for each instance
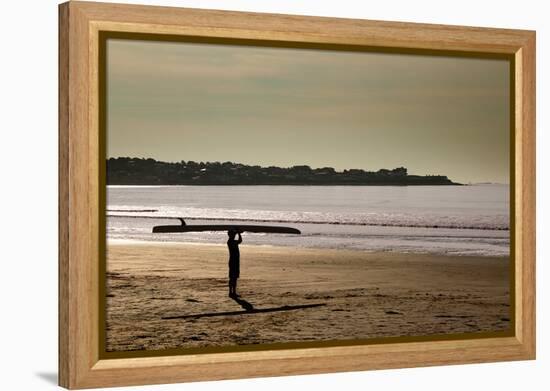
(136, 171)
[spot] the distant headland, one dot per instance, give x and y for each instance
(136, 171)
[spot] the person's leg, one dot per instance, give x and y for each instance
(232, 286)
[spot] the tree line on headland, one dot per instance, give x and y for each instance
(136, 171)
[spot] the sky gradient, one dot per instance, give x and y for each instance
(285, 107)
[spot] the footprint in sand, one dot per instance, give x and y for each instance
(391, 312)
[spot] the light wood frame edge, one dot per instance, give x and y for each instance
(79, 364)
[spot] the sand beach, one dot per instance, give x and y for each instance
(174, 295)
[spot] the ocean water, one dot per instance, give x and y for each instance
(457, 220)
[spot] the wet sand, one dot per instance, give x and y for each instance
(167, 295)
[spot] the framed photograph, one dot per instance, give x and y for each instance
(246, 195)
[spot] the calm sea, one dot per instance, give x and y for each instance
(463, 220)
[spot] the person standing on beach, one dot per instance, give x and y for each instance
(234, 261)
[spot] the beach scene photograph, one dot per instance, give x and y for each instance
(274, 196)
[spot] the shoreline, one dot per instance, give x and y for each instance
(145, 243)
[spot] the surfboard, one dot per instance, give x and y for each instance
(225, 227)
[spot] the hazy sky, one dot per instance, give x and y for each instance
(284, 107)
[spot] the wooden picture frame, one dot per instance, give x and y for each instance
(81, 364)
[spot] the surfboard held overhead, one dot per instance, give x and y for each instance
(183, 227)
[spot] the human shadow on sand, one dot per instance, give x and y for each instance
(247, 306)
(248, 309)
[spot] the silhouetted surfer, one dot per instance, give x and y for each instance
(234, 261)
